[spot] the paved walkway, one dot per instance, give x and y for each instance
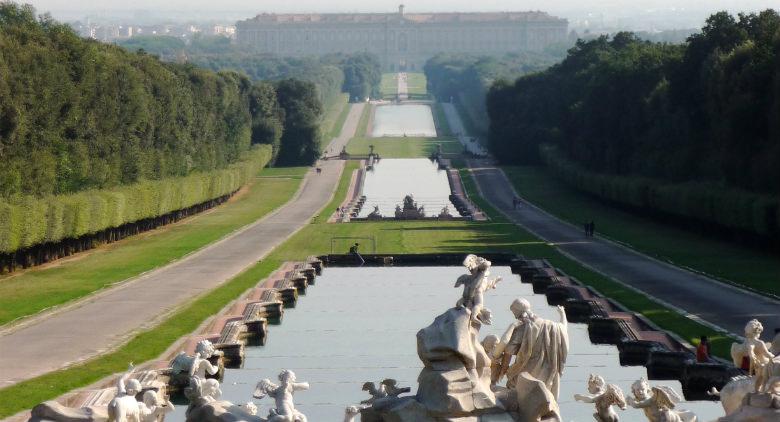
(701, 298)
(108, 318)
(403, 87)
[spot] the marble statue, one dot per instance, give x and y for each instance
(375, 214)
(474, 286)
(206, 406)
(604, 397)
(124, 407)
(350, 413)
(153, 408)
(732, 394)
(753, 355)
(375, 392)
(758, 406)
(539, 346)
(489, 343)
(658, 403)
(409, 210)
(444, 214)
(283, 395)
(197, 364)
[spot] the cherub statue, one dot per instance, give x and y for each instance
(754, 356)
(201, 392)
(604, 398)
(658, 403)
(154, 408)
(283, 394)
(489, 343)
(474, 286)
(350, 413)
(124, 407)
(197, 364)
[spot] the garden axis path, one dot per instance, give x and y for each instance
(105, 320)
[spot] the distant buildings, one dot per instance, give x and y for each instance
(111, 31)
(402, 41)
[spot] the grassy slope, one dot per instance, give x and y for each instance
(755, 269)
(78, 276)
(392, 237)
(335, 115)
(403, 147)
(442, 124)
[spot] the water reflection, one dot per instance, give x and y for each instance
(392, 179)
(403, 120)
(359, 325)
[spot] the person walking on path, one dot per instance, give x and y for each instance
(354, 252)
(703, 350)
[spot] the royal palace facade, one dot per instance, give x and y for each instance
(403, 41)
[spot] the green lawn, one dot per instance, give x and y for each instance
(334, 117)
(75, 277)
(410, 147)
(442, 124)
(724, 260)
(392, 237)
(388, 88)
(417, 84)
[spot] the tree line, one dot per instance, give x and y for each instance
(705, 111)
(466, 78)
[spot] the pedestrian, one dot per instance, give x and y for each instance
(703, 350)
(354, 252)
(591, 228)
(586, 227)
(319, 170)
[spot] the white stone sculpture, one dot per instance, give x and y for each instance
(754, 356)
(733, 392)
(283, 395)
(206, 406)
(350, 413)
(604, 397)
(154, 408)
(540, 347)
(759, 406)
(375, 392)
(124, 407)
(197, 364)
(474, 286)
(489, 343)
(658, 403)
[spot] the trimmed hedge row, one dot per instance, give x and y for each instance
(730, 208)
(26, 221)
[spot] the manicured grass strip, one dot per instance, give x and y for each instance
(472, 128)
(145, 346)
(442, 125)
(388, 88)
(399, 147)
(335, 115)
(416, 83)
(756, 269)
(365, 116)
(29, 292)
(665, 318)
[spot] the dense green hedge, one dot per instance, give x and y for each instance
(28, 220)
(731, 208)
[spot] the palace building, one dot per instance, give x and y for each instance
(403, 41)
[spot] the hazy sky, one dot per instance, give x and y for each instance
(386, 5)
(74, 9)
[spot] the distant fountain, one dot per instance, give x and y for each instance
(410, 210)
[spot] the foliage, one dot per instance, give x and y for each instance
(77, 114)
(302, 113)
(362, 76)
(705, 111)
(28, 220)
(467, 78)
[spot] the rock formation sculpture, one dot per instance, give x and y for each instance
(206, 406)
(387, 388)
(658, 403)
(410, 210)
(758, 406)
(539, 347)
(283, 395)
(375, 214)
(604, 397)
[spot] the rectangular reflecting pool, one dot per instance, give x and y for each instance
(359, 324)
(403, 120)
(391, 179)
